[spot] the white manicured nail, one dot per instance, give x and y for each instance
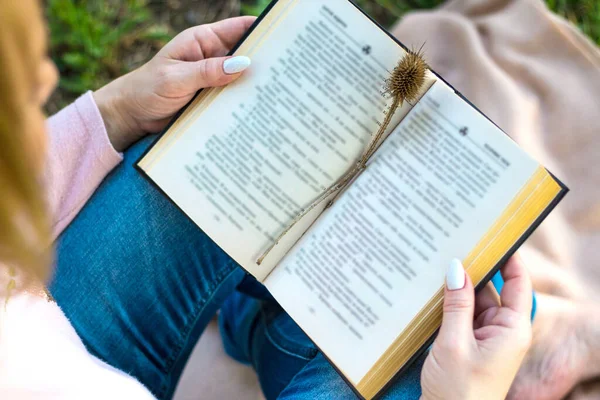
(236, 65)
(455, 275)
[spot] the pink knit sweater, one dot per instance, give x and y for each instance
(79, 157)
(41, 356)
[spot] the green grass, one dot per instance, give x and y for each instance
(89, 41)
(93, 42)
(583, 13)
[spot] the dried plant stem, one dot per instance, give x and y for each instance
(376, 142)
(341, 183)
(403, 85)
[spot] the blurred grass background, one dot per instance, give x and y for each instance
(94, 42)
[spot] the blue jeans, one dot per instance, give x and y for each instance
(140, 282)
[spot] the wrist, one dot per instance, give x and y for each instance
(120, 126)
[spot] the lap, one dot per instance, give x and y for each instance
(138, 280)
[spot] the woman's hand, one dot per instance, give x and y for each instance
(483, 340)
(144, 100)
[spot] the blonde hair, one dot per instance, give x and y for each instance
(24, 225)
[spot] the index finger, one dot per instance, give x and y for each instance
(207, 41)
(230, 31)
(517, 291)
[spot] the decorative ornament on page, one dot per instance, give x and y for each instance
(403, 85)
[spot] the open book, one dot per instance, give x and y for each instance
(364, 277)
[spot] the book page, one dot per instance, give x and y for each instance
(248, 158)
(373, 261)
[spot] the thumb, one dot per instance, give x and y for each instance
(459, 306)
(213, 72)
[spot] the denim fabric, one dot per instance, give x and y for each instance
(319, 381)
(139, 281)
(259, 333)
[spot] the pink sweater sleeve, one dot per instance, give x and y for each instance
(79, 157)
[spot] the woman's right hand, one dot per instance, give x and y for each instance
(483, 338)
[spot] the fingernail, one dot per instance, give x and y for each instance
(236, 65)
(455, 275)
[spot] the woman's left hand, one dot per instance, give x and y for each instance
(144, 100)
(483, 339)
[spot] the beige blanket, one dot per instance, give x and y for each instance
(538, 78)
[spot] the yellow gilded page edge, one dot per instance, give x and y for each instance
(519, 216)
(249, 47)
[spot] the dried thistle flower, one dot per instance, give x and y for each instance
(404, 84)
(407, 78)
